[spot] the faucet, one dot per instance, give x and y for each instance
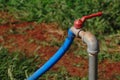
(87, 37)
(91, 41)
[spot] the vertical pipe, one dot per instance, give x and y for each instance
(92, 49)
(93, 65)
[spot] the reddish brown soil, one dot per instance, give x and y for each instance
(109, 70)
(30, 37)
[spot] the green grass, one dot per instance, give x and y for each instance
(65, 12)
(16, 66)
(61, 74)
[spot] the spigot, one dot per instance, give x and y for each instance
(91, 41)
(79, 22)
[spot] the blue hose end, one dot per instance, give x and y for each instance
(70, 33)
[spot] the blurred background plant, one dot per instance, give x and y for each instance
(65, 12)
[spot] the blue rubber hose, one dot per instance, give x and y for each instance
(54, 58)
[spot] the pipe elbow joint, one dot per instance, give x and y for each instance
(91, 41)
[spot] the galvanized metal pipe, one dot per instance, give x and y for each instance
(93, 67)
(88, 38)
(92, 49)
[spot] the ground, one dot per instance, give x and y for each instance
(45, 39)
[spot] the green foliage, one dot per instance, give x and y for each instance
(15, 66)
(61, 74)
(113, 57)
(65, 12)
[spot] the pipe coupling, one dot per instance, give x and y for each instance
(89, 39)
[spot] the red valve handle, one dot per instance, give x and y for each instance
(78, 23)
